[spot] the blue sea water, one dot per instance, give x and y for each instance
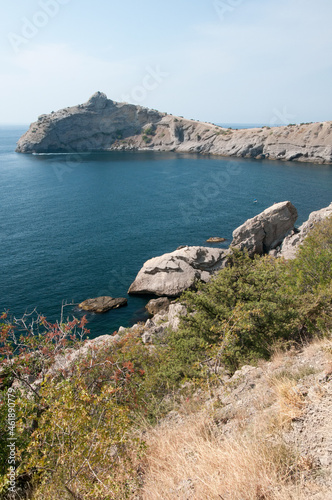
(80, 226)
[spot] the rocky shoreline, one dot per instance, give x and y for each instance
(102, 125)
(271, 232)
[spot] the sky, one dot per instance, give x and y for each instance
(224, 61)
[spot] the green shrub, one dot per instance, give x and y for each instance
(310, 278)
(312, 269)
(119, 134)
(237, 316)
(149, 131)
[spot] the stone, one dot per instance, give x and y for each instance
(215, 239)
(266, 231)
(172, 273)
(174, 314)
(293, 241)
(147, 338)
(157, 326)
(102, 304)
(154, 306)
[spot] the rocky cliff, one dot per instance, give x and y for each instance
(105, 125)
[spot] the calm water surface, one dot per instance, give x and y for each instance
(74, 227)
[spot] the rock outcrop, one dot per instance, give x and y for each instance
(258, 235)
(155, 306)
(102, 304)
(292, 242)
(105, 125)
(267, 230)
(172, 273)
(157, 327)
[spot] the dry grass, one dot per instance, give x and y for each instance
(193, 461)
(290, 400)
(233, 453)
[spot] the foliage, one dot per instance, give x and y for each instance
(312, 269)
(149, 130)
(236, 316)
(74, 423)
(310, 278)
(119, 134)
(82, 445)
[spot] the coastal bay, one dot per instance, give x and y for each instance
(79, 227)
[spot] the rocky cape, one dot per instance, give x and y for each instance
(102, 125)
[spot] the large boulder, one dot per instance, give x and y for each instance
(172, 273)
(267, 230)
(292, 242)
(102, 304)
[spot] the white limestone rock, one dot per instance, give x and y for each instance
(267, 230)
(172, 273)
(293, 241)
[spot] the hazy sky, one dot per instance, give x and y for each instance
(238, 61)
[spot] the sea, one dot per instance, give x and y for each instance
(78, 226)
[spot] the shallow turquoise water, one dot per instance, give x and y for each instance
(74, 227)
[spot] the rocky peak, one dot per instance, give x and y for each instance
(98, 100)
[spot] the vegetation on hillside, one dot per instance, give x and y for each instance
(78, 427)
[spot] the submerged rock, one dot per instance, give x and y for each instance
(172, 273)
(215, 239)
(267, 230)
(102, 304)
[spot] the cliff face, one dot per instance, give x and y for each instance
(104, 125)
